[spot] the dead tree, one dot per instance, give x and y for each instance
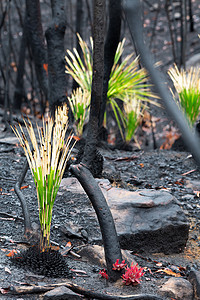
(19, 86)
(111, 43)
(81, 171)
(36, 41)
(56, 63)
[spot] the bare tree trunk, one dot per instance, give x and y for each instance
(81, 171)
(19, 86)
(36, 41)
(56, 63)
(112, 41)
(79, 29)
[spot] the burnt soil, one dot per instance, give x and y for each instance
(147, 168)
(150, 169)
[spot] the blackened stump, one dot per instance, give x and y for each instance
(49, 263)
(95, 166)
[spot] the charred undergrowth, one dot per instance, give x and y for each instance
(49, 263)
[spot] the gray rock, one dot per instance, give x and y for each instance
(61, 292)
(194, 278)
(177, 288)
(148, 221)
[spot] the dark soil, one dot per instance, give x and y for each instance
(147, 168)
(155, 169)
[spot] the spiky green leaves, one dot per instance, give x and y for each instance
(187, 85)
(126, 80)
(47, 156)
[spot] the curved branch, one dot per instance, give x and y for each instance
(107, 226)
(25, 210)
(20, 290)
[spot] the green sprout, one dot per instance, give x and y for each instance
(133, 113)
(126, 79)
(47, 162)
(187, 85)
(79, 103)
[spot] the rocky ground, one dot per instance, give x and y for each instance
(148, 168)
(176, 172)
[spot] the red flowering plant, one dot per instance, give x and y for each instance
(103, 274)
(117, 266)
(132, 275)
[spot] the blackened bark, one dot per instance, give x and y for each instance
(133, 13)
(81, 171)
(97, 82)
(79, 29)
(36, 41)
(56, 63)
(191, 16)
(112, 41)
(107, 226)
(25, 210)
(19, 86)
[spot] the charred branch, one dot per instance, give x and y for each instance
(107, 226)
(25, 210)
(21, 290)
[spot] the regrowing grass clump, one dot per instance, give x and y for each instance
(128, 83)
(47, 157)
(187, 85)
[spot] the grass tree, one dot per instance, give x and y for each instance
(47, 157)
(187, 85)
(79, 103)
(126, 80)
(133, 113)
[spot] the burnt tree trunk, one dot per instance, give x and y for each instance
(112, 41)
(79, 29)
(81, 171)
(36, 41)
(56, 63)
(19, 86)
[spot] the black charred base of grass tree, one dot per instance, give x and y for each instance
(56, 64)
(49, 262)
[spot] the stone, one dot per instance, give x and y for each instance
(61, 292)
(94, 254)
(177, 288)
(147, 221)
(194, 278)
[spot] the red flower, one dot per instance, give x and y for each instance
(103, 274)
(132, 275)
(117, 266)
